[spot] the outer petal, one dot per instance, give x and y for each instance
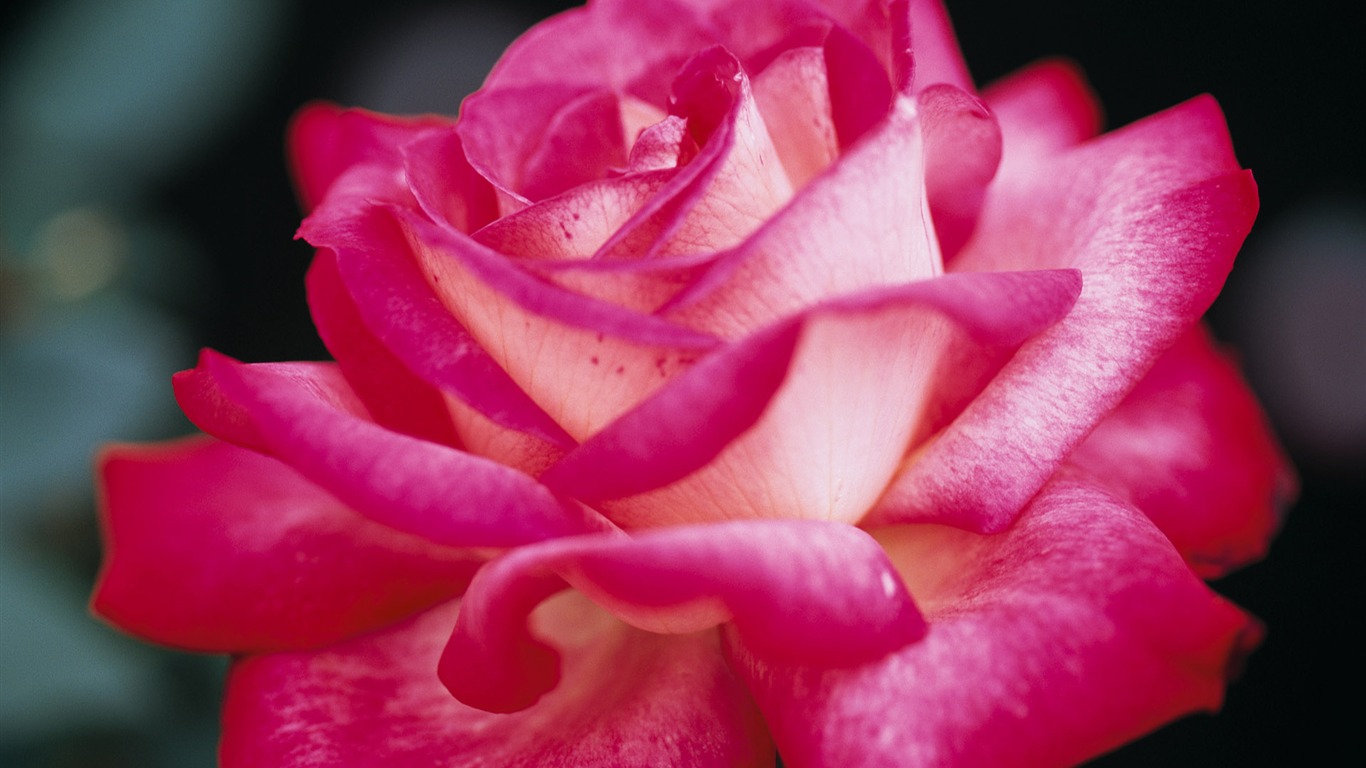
(376, 267)
(397, 399)
(1049, 108)
(801, 590)
(1191, 447)
(211, 547)
(325, 140)
(1152, 215)
(1076, 630)
(799, 420)
(630, 47)
(628, 698)
(305, 415)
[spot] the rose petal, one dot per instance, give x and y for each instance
(798, 421)
(576, 224)
(793, 95)
(1152, 215)
(325, 140)
(1049, 107)
(798, 589)
(391, 393)
(848, 230)
(214, 548)
(1074, 631)
(729, 188)
(376, 267)
(962, 150)
(305, 415)
(549, 340)
(627, 46)
(446, 187)
(860, 93)
(1191, 447)
(932, 46)
(627, 698)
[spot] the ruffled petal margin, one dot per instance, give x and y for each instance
(1076, 630)
(801, 590)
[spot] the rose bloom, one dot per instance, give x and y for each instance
(729, 376)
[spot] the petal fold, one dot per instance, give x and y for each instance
(798, 420)
(801, 590)
(1152, 215)
(305, 415)
(215, 548)
(1076, 630)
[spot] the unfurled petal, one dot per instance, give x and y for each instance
(1191, 448)
(325, 141)
(305, 415)
(395, 397)
(1077, 629)
(801, 590)
(853, 227)
(962, 150)
(627, 698)
(377, 269)
(1049, 108)
(800, 420)
(210, 547)
(1152, 215)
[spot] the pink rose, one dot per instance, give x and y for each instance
(730, 374)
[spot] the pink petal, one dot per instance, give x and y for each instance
(962, 150)
(376, 267)
(851, 228)
(934, 54)
(734, 183)
(325, 140)
(793, 95)
(644, 286)
(584, 140)
(395, 397)
(627, 46)
(574, 225)
(860, 93)
(305, 415)
(1191, 447)
(550, 340)
(214, 548)
(799, 420)
(628, 698)
(801, 590)
(1152, 215)
(446, 187)
(536, 141)
(1049, 108)
(1076, 630)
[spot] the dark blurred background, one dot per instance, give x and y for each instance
(145, 212)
